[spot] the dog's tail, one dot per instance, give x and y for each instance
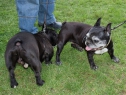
(18, 46)
(19, 50)
(18, 42)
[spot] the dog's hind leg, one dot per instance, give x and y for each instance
(58, 52)
(36, 67)
(10, 64)
(62, 40)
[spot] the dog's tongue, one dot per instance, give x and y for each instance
(88, 48)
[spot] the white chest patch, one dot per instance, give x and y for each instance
(101, 51)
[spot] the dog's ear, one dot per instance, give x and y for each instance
(108, 28)
(98, 22)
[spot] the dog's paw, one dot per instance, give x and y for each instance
(80, 49)
(14, 85)
(77, 47)
(115, 59)
(58, 63)
(94, 67)
(40, 83)
(48, 62)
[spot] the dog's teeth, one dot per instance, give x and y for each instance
(25, 65)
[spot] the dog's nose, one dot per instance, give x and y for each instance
(87, 43)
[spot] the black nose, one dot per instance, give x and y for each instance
(87, 43)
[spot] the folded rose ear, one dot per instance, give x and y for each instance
(98, 22)
(108, 28)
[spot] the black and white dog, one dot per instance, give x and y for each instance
(94, 39)
(30, 50)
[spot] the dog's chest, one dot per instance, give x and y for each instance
(101, 51)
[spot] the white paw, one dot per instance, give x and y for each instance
(15, 86)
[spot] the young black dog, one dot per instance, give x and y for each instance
(94, 39)
(29, 50)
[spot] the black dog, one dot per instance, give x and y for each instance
(29, 49)
(94, 39)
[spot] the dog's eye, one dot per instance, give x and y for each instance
(96, 41)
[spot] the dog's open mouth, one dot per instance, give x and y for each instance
(88, 48)
(92, 49)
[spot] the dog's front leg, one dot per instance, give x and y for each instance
(91, 60)
(48, 57)
(111, 53)
(76, 46)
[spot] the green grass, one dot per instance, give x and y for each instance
(74, 76)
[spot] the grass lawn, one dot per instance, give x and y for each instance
(74, 76)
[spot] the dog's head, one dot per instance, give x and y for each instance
(52, 36)
(98, 36)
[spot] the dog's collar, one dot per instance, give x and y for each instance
(85, 36)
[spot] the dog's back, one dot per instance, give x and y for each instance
(73, 31)
(27, 40)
